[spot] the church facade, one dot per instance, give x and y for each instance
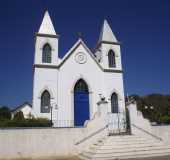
(68, 90)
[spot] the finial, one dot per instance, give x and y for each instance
(79, 34)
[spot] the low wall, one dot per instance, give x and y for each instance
(38, 143)
(142, 126)
(137, 119)
(162, 132)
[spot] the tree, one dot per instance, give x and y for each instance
(155, 107)
(19, 116)
(5, 113)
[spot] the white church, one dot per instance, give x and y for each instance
(70, 90)
(83, 95)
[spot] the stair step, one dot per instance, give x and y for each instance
(155, 151)
(130, 146)
(125, 146)
(84, 157)
(132, 156)
(128, 142)
(128, 139)
(109, 151)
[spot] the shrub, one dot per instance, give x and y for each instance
(5, 113)
(35, 122)
(165, 119)
(19, 116)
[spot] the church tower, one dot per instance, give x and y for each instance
(46, 45)
(45, 86)
(108, 49)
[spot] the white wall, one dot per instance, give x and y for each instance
(162, 132)
(105, 49)
(49, 143)
(136, 118)
(26, 109)
(39, 44)
(44, 79)
(38, 143)
(60, 83)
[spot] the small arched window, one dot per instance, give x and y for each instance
(114, 103)
(111, 59)
(45, 102)
(81, 86)
(46, 54)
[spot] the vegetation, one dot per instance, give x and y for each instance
(20, 121)
(5, 113)
(36, 122)
(19, 116)
(155, 107)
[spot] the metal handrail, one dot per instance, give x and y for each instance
(91, 135)
(151, 134)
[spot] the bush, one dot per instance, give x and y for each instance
(35, 122)
(5, 113)
(165, 119)
(160, 112)
(19, 116)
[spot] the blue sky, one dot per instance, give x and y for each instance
(143, 27)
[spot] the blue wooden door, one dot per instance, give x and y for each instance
(81, 107)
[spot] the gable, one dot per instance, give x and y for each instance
(21, 107)
(82, 51)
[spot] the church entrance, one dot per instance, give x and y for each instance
(81, 103)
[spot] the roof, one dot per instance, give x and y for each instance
(21, 106)
(47, 25)
(106, 33)
(69, 53)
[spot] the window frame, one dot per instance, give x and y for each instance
(114, 103)
(111, 59)
(45, 102)
(46, 53)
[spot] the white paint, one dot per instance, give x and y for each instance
(136, 118)
(46, 143)
(25, 108)
(163, 132)
(106, 33)
(60, 81)
(47, 25)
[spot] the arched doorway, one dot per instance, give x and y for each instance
(81, 103)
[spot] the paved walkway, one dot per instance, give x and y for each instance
(152, 158)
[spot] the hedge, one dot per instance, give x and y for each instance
(36, 122)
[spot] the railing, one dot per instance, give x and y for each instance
(118, 123)
(63, 123)
(91, 135)
(151, 134)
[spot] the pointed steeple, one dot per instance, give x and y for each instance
(106, 33)
(47, 25)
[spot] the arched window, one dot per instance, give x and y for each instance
(111, 59)
(81, 86)
(45, 102)
(46, 54)
(114, 103)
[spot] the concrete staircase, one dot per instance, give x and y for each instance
(125, 147)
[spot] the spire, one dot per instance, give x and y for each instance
(47, 25)
(106, 33)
